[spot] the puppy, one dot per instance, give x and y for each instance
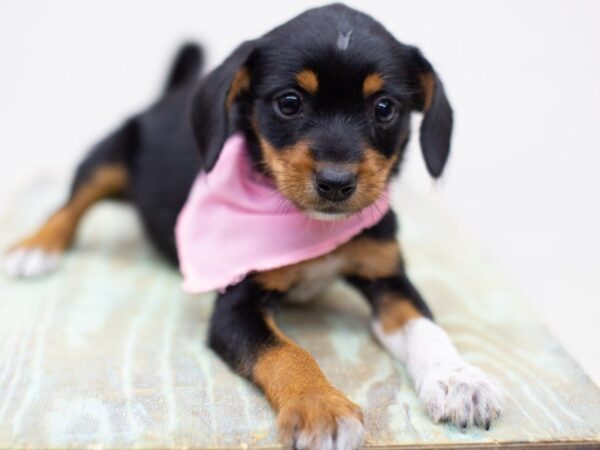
(315, 113)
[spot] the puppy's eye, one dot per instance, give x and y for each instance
(288, 104)
(385, 110)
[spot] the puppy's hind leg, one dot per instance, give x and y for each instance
(102, 174)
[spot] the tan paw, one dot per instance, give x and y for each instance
(321, 420)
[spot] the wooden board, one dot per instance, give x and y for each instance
(109, 353)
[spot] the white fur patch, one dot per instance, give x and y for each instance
(30, 262)
(349, 435)
(330, 217)
(343, 40)
(317, 277)
(449, 388)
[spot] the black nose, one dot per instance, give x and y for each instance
(335, 185)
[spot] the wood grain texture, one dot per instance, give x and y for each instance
(108, 352)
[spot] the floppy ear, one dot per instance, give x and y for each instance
(213, 103)
(436, 127)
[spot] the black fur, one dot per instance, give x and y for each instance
(398, 284)
(211, 121)
(386, 229)
(115, 149)
(238, 330)
(438, 120)
(436, 131)
(186, 67)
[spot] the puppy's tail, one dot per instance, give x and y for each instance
(186, 66)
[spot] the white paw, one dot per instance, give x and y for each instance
(25, 262)
(461, 394)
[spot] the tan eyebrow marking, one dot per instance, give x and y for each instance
(307, 80)
(373, 83)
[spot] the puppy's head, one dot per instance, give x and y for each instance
(325, 102)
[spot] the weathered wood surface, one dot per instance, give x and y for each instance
(109, 353)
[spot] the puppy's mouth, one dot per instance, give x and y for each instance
(316, 207)
(329, 213)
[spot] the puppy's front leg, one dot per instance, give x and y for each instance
(312, 414)
(450, 389)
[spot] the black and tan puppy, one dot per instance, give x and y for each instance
(324, 102)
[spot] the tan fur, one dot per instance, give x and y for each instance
(307, 80)
(291, 168)
(373, 83)
(428, 84)
(363, 256)
(298, 390)
(57, 233)
(395, 312)
(240, 83)
(373, 173)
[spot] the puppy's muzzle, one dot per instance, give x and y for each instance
(335, 184)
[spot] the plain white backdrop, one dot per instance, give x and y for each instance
(523, 77)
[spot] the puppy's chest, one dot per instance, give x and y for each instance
(365, 257)
(314, 278)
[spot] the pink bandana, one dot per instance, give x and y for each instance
(234, 222)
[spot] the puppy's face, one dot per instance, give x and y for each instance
(326, 100)
(331, 124)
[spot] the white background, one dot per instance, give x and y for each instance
(523, 77)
